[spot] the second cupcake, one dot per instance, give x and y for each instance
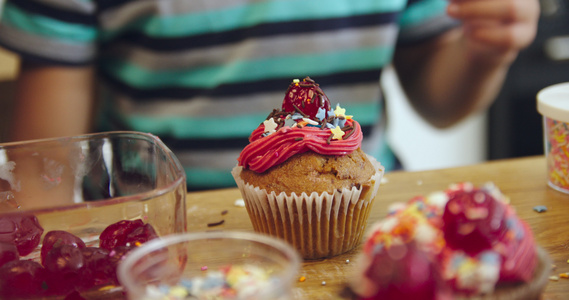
(304, 177)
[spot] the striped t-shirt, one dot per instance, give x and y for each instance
(202, 74)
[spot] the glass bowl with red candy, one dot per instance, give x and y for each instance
(71, 208)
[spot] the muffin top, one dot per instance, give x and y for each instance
(313, 172)
(306, 122)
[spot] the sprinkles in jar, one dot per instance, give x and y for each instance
(553, 105)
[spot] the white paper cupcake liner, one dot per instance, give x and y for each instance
(318, 225)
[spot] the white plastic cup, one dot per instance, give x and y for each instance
(260, 267)
(553, 105)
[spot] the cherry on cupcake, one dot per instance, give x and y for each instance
(473, 221)
(307, 97)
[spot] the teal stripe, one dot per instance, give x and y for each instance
(234, 126)
(251, 70)
(261, 12)
(184, 127)
(202, 178)
(47, 27)
(421, 11)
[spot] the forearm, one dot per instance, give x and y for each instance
(452, 83)
(52, 102)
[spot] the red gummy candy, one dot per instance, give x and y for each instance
(307, 97)
(140, 235)
(22, 279)
(8, 252)
(22, 230)
(116, 256)
(56, 238)
(473, 221)
(64, 260)
(63, 265)
(98, 269)
(115, 234)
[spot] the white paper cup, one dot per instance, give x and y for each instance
(317, 225)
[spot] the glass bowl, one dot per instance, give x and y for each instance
(83, 184)
(211, 265)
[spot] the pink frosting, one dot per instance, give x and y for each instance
(264, 152)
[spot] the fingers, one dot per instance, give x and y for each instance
(503, 10)
(510, 36)
(500, 24)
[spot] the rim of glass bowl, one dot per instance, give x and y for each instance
(291, 269)
(179, 170)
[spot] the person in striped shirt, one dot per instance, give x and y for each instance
(202, 74)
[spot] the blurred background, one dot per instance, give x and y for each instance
(511, 128)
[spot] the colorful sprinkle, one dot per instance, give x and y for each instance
(557, 152)
(337, 133)
(239, 203)
(321, 114)
(564, 275)
(215, 223)
(270, 125)
(540, 208)
(302, 279)
(323, 282)
(204, 268)
(554, 278)
(228, 282)
(339, 111)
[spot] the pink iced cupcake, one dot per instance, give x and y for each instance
(463, 243)
(304, 177)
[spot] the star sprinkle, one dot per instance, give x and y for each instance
(339, 111)
(270, 125)
(321, 114)
(337, 133)
(289, 122)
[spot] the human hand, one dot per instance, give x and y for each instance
(496, 29)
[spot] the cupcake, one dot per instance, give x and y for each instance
(462, 243)
(304, 177)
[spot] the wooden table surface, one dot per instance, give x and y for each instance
(523, 180)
